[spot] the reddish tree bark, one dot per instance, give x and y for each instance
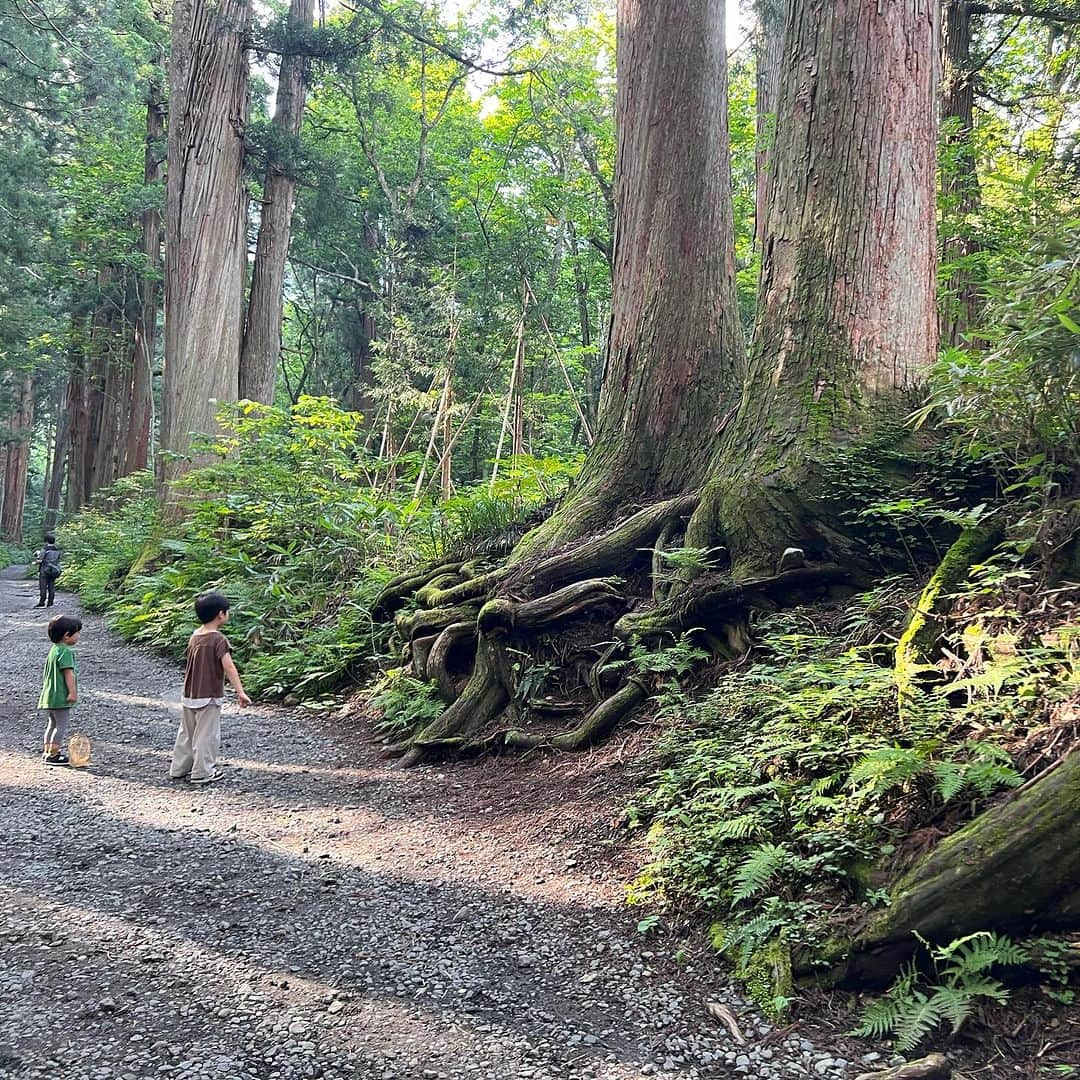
(206, 220)
(847, 319)
(20, 430)
(675, 351)
(141, 401)
(768, 56)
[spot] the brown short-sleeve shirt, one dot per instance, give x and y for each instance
(204, 676)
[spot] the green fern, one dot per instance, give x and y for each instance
(912, 1009)
(919, 1017)
(887, 768)
(758, 870)
(739, 828)
(949, 779)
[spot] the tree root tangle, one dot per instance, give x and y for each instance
(467, 612)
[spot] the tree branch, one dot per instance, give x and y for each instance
(373, 7)
(1066, 13)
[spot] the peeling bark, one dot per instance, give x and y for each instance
(206, 221)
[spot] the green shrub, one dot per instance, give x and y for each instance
(285, 521)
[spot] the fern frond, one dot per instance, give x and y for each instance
(949, 779)
(759, 868)
(954, 1005)
(878, 1019)
(739, 828)
(917, 1019)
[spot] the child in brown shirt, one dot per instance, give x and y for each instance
(209, 664)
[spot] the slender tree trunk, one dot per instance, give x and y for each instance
(262, 333)
(961, 195)
(847, 320)
(141, 410)
(206, 221)
(768, 56)
(109, 395)
(675, 351)
(57, 470)
(17, 464)
(78, 443)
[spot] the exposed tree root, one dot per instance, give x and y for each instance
(438, 670)
(482, 617)
(600, 723)
(416, 624)
(420, 650)
(609, 553)
(396, 592)
(506, 616)
(447, 591)
(712, 607)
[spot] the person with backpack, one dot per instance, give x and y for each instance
(48, 560)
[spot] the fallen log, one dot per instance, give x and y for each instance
(1014, 869)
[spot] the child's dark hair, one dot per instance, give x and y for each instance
(61, 626)
(50, 538)
(208, 604)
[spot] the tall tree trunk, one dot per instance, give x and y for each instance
(206, 221)
(141, 409)
(262, 333)
(78, 443)
(57, 471)
(109, 395)
(847, 321)
(17, 464)
(675, 350)
(961, 194)
(768, 57)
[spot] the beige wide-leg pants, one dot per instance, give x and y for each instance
(198, 741)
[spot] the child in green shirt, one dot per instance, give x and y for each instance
(59, 686)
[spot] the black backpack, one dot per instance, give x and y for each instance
(50, 563)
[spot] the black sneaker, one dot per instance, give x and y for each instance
(56, 759)
(206, 779)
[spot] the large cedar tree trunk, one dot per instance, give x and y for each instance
(847, 322)
(206, 220)
(675, 351)
(262, 332)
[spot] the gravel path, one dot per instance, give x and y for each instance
(315, 914)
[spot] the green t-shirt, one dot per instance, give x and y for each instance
(54, 694)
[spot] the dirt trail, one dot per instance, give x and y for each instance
(314, 914)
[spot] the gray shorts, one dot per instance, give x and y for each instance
(56, 730)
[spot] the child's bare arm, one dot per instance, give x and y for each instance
(234, 679)
(69, 682)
